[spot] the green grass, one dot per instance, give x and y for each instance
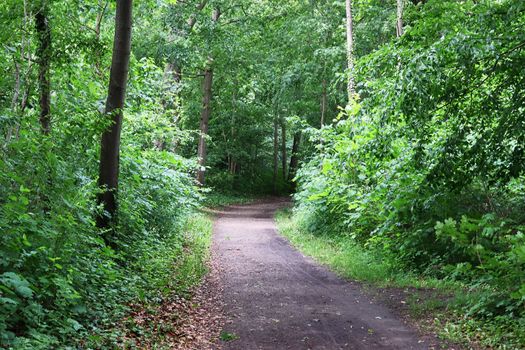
(176, 263)
(191, 265)
(217, 199)
(350, 260)
(226, 336)
(339, 253)
(446, 303)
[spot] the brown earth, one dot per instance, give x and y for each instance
(276, 298)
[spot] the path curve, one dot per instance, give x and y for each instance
(276, 298)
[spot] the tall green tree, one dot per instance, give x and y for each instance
(110, 143)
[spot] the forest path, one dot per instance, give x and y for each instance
(276, 298)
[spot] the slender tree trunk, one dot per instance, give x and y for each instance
(323, 112)
(177, 74)
(399, 24)
(206, 107)
(275, 154)
(44, 57)
(174, 69)
(323, 103)
(232, 128)
(26, 46)
(294, 158)
(14, 100)
(399, 29)
(205, 118)
(350, 50)
(103, 5)
(110, 143)
(283, 147)
(216, 14)
(21, 77)
(193, 18)
(16, 92)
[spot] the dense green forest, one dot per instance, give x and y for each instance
(397, 125)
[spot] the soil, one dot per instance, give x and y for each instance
(276, 298)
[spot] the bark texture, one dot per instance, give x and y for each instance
(275, 154)
(399, 24)
(206, 109)
(205, 119)
(350, 50)
(294, 158)
(323, 103)
(193, 18)
(284, 157)
(110, 144)
(44, 60)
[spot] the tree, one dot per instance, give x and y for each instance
(205, 119)
(284, 157)
(110, 143)
(350, 50)
(193, 17)
(44, 60)
(206, 109)
(275, 153)
(294, 158)
(399, 23)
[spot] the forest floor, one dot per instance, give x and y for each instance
(274, 297)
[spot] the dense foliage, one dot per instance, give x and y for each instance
(59, 281)
(424, 167)
(428, 165)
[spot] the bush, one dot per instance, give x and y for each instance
(59, 281)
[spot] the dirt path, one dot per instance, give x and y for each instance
(278, 299)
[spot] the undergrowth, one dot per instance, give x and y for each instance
(216, 199)
(179, 269)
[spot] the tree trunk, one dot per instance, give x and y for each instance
(350, 50)
(206, 106)
(283, 147)
(16, 90)
(275, 154)
(44, 59)
(102, 5)
(100, 16)
(294, 158)
(399, 24)
(22, 85)
(174, 69)
(323, 103)
(193, 18)
(232, 128)
(205, 118)
(110, 143)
